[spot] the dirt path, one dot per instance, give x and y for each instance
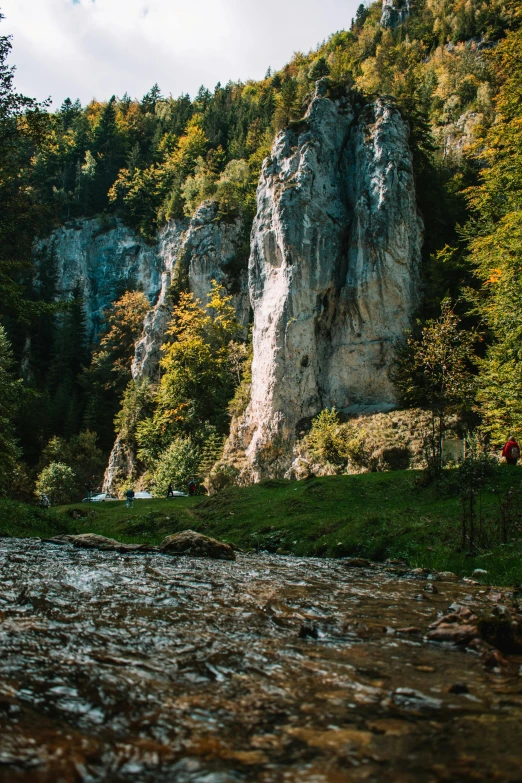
(149, 668)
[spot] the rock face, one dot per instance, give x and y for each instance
(105, 258)
(333, 272)
(202, 251)
(394, 12)
(205, 251)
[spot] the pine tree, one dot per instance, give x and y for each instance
(319, 69)
(109, 155)
(69, 356)
(150, 99)
(105, 380)
(9, 401)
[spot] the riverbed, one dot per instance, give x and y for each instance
(268, 669)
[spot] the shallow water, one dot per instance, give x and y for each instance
(153, 668)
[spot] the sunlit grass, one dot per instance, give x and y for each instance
(375, 515)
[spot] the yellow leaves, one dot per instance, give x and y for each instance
(124, 324)
(214, 324)
(495, 276)
(189, 147)
(131, 118)
(94, 111)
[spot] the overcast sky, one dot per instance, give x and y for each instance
(96, 48)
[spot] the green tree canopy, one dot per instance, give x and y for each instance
(495, 240)
(197, 381)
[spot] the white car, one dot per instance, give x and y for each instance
(101, 498)
(142, 496)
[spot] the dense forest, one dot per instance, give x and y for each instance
(454, 70)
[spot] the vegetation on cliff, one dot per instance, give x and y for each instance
(455, 72)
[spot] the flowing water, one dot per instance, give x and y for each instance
(154, 668)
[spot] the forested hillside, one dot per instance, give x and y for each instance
(454, 70)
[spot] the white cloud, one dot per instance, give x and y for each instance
(96, 48)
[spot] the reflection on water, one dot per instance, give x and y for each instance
(151, 668)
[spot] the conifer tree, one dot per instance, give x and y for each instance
(9, 401)
(69, 357)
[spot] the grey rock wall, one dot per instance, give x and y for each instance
(333, 273)
(203, 252)
(105, 258)
(394, 12)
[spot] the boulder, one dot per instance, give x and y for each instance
(356, 562)
(448, 576)
(454, 633)
(196, 545)
(93, 541)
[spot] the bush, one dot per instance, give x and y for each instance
(220, 477)
(326, 443)
(58, 482)
(175, 466)
(331, 443)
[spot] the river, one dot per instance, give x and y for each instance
(268, 669)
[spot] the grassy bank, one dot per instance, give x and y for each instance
(376, 515)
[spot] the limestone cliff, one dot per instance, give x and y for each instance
(333, 273)
(207, 250)
(394, 12)
(202, 253)
(332, 278)
(105, 258)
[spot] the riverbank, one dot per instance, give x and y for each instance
(375, 515)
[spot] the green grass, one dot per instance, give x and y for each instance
(376, 515)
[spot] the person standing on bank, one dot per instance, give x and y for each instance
(130, 498)
(511, 451)
(170, 491)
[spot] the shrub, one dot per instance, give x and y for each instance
(220, 477)
(175, 465)
(325, 440)
(57, 481)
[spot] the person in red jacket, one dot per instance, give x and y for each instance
(511, 451)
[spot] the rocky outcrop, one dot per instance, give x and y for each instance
(197, 253)
(208, 250)
(333, 272)
(214, 250)
(104, 258)
(456, 139)
(332, 277)
(147, 352)
(394, 12)
(122, 467)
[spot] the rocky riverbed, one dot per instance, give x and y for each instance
(147, 667)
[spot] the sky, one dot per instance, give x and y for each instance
(96, 48)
